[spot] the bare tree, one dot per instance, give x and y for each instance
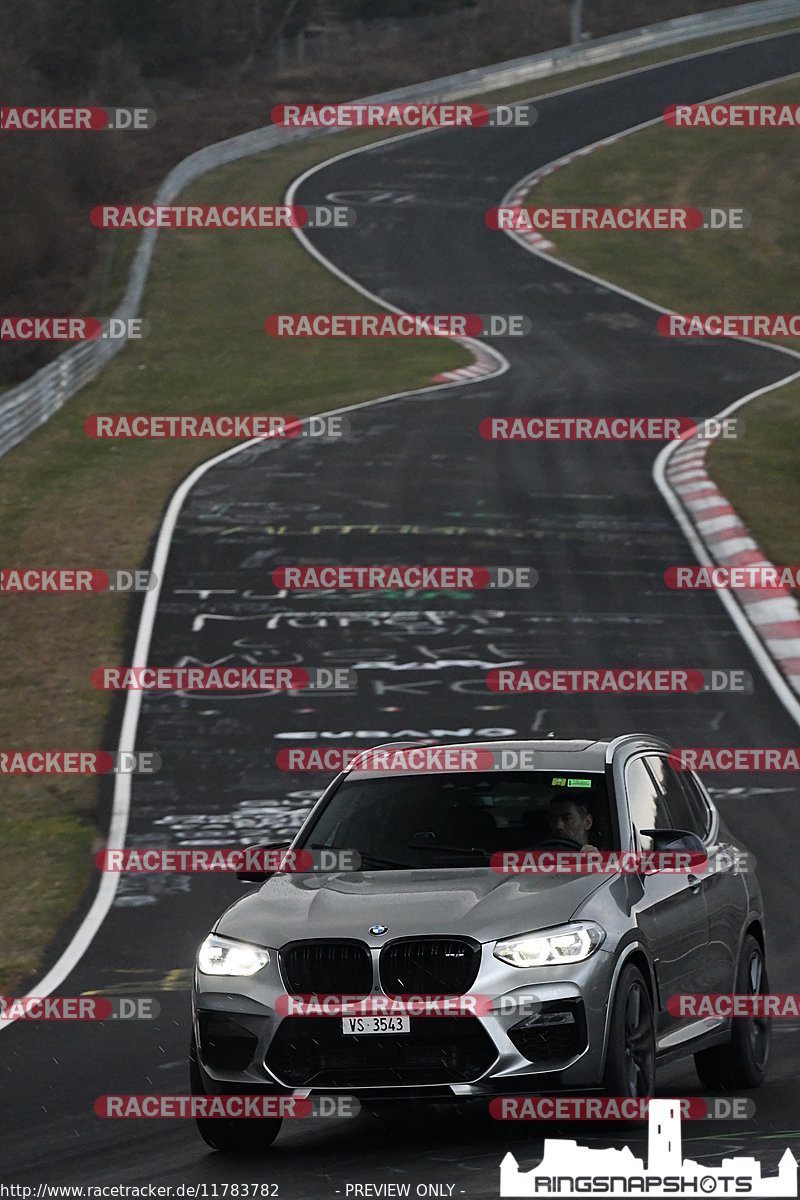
(259, 42)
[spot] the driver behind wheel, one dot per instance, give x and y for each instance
(571, 819)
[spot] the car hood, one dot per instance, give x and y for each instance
(476, 902)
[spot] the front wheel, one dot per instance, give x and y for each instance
(741, 1062)
(230, 1135)
(631, 1057)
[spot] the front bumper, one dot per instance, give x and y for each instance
(546, 1033)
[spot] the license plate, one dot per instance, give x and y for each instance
(376, 1024)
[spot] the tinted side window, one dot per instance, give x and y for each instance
(648, 810)
(685, 808)
(705, 815)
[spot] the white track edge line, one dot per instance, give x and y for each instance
(748, 633)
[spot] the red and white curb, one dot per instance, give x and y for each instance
(774, 615)
(484, 364)
(517, 196)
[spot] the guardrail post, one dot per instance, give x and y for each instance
(575, 23)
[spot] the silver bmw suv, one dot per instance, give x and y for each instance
(564, 975)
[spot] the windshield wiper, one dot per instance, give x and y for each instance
(366, 859)
(383, 862)
(473, 851)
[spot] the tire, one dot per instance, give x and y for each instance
(230, 1135)
(630, 1068)
(741, 1062)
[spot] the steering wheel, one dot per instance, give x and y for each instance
(558, 843)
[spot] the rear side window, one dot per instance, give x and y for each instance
(699, 800)
(684, 805)
(646, 801)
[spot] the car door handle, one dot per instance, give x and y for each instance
(694, 883)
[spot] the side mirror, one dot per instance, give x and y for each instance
(261, 876)
(675, 840)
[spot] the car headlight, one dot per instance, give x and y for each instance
(551, 947)
(223, 956)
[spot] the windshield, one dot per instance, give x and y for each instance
(461, 820)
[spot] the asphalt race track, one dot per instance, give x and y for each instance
(416, 483)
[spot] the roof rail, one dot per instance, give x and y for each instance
(653, 738)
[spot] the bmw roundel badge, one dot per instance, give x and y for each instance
(378, 929)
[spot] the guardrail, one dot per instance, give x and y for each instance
(30, 404)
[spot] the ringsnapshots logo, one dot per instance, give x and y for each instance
(568, 1169)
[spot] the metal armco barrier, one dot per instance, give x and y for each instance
(31, 403)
